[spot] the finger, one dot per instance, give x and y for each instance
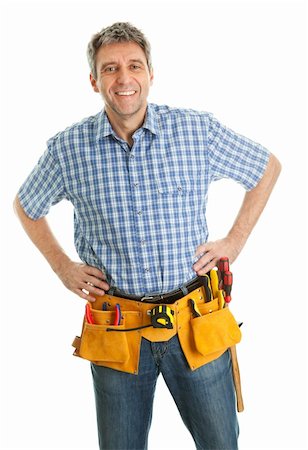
(89, 287)
(199, 251)
(95, 272)
(203, 248)
(97, 282)
(84, 294)
(205, 269)
(203, 261)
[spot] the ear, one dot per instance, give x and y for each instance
(151, 77)
(93, 83)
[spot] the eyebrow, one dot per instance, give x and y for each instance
(137, 61)
(110, 63)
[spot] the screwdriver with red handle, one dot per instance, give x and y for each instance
(226, 277)
(227, 285)
(223, 266)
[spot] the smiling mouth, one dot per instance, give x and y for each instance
(125, 93)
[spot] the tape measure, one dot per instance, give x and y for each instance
(162, 317)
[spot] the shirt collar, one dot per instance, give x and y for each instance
(104, 127)
(151, 122)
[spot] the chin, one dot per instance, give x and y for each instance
(129, 111)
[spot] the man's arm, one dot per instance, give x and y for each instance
(77, 277)
(251, 209)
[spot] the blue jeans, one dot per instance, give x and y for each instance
(205, 399)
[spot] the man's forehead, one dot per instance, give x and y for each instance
(119, 50)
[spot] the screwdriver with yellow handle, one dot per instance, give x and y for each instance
(217, 293)
(214, 282)
(221, 299)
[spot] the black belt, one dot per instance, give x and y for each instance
(169, 297)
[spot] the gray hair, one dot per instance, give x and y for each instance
(118, 32)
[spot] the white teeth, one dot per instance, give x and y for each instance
(126, 93)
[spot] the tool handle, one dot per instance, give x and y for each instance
(223, 265)
(117, 319)
(237, 379)
(227, 285)
(89, 316)
(214, 282)
(206, 283)
(194, 308)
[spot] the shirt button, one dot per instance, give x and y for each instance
(142, 241)
(147, 270)
(179, 188)
(136, 184)
(139, 213)
(131, 156)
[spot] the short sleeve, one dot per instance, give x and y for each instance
(234, 156)
(44, 186)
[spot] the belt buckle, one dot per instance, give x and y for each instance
(151, 297)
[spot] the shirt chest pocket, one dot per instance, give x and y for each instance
(178, 183)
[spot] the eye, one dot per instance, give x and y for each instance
(135, 67)
(110, 69)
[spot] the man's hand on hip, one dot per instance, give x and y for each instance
(252, 206)
(210, 253)
(79, 278)
(83, 280)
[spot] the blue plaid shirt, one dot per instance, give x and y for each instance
(140, 213)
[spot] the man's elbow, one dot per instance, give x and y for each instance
(16, 205)
(270, 176)
(18, 209)
(275, 165)
(271, 173)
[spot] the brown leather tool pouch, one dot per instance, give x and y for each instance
(215, 331)
(205, 338)
(117, 350)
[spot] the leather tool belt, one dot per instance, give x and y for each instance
(167, 298)
(203, 337)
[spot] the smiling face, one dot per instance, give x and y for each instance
(123, 80)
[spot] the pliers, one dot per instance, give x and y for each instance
(89, 317)
(117, 319)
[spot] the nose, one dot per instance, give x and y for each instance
(123, 76)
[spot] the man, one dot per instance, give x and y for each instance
(138, 175)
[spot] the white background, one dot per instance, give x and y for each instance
(246, 63)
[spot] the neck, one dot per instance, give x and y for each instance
(125, 127)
